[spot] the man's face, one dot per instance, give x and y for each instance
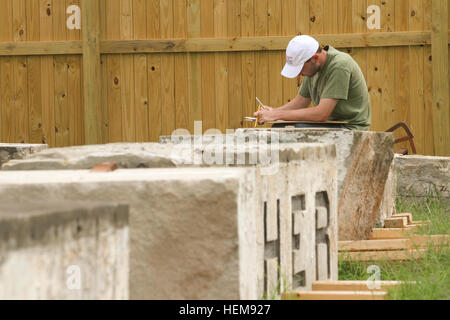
(311, 67)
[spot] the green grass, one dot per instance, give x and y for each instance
(431, 273)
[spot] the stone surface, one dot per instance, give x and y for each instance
(363, 161)
(422, 176)
(192, 231)
(298, 186)
(126, 155)
(63, 250)
(10, 151)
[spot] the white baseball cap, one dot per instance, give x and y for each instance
(299, 50)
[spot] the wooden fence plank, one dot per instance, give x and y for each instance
(114, 77)
(248, 62)
(47, 74)
(428, 86)
(440, 65)
(167, 70)
(401, 68)
(103, 108)
(235, 109)
(194, 62)
(288, 29)
(141, 73)
(276, 59)
(416, 71)
(386, 109)
(208, 67)
(92, 78)
(182, 113)
(76, 93)
(374, 80)
(34, 75)
(6, 74)
(262, 58)
(127, 74)
(221, 67)
(154, 72)
(20, 114)
(316, 16)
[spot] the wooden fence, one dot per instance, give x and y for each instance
(139, 69)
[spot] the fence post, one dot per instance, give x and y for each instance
(439, 48)
(91, 69)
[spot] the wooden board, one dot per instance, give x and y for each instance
(350, 285)
(410, 243)
(396, 255)
(335, 295)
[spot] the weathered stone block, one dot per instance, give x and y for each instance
(126, 155)
(303, 178)
(63, 249)
(422, 176)
(363, 161)
(192, 231)
(9, 151)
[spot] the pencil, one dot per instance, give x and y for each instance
(256, 121)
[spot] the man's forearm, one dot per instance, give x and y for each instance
(297, 103)
(308, 114)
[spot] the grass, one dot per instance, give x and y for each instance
(431, 273)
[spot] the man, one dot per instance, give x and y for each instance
(332, 80)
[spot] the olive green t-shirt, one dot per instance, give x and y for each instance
(341, 78)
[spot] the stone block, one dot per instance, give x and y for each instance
(10, 151)
(63, 249)
(126, 155)
(363, 161)
(192, 231)
(304, 177)
(422, 176)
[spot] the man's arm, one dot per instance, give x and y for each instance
(299, 102)
(320, 113)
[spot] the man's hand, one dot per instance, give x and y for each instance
(267, 114)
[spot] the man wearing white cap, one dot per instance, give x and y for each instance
(332, 80)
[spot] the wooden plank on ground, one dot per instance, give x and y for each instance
(396, 255)
(350, 285)
(400, 222)
(390, 233)
(394, 244)
(335, 295)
